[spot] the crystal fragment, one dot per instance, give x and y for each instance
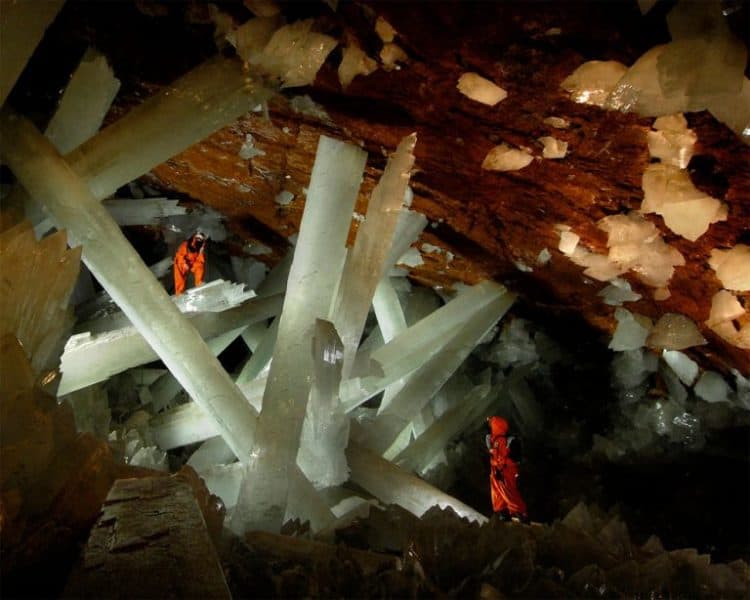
(631, 332)
(732, 267)
(476, 87)
(385, 30)
(636, 244)
(672, 142)
(684, 367)
(669, 192)
(391, 55)
(674, 331)
(411, 258)
(557, 122)
(505, 158)
(543, 257)
(295, 53)
(712, 388)
(592, 82)
(568, 242)
(248, 149)
(354, 62)
(553, 148)
(617, 292)
(283, 198)
(251, 37)
(632, 367)
(724, 307)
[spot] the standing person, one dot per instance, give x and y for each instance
(190, 258)
(506, 499)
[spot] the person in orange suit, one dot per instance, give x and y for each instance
(506, 499)
(190, 258)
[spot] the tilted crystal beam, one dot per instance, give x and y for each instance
(79, 115)
(204, 100)
(189, 423)
(21, 28)
(117, 266)
(366, 262)
(164, 389)
(142, 211)
(392, 485)
(411, 348)
(388, 310)
(422, 451)
(84, 103)
(425, 382)
(334, 183)
(91, 358)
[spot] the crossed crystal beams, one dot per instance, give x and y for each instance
(206, 99)
(315, 272)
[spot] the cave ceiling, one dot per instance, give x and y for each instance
(489, 224)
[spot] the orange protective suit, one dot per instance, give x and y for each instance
(190, 258)
(503, 471)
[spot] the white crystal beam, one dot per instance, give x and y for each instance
(78, 117)
(117, 266)
(325, 431)
(261, 355)
(142, 211)
(84, 104)
(420, 453)
(366, 262)
(91, 358)
(334, 183)
(410, 349)
(212, 452)
(306, 504)
(164, 389)
(408, 227)
(388, 310)
(189, 423)
(392, 485)
(21, 28)
(425, 382)
(204, 100)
